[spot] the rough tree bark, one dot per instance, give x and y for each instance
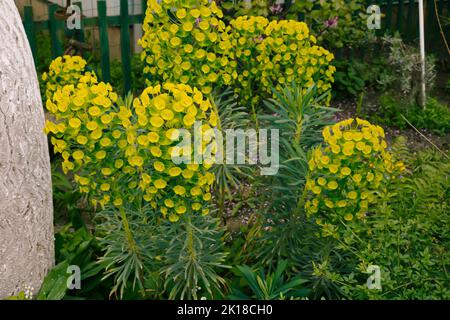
(26, 213)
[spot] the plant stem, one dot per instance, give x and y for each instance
(222, 205)
(132, 245)
(301, 200)
(255, 118)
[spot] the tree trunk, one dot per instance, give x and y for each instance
(26, 210)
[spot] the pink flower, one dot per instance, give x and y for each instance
(331, 23)
(276, 8)
(259, 38)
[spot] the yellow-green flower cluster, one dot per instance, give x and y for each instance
(65, 70)
(187, 42)
(153, 130)
(272, 54)
(346, 172)
(181, 44)
(123, 152)
(247, 35)
(81, 132)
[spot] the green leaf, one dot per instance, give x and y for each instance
(55, 283)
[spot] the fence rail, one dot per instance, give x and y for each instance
(400, 15)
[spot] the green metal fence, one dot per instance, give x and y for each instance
(102, 22)
(399, 15)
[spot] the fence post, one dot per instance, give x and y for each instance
(104, 41)
(441, 6)
(29, 29)
(389, 15)
(144, 8)
(53, 25)
(410, 27)
(380, 31)
(125, 44)
(79, 34)
(430, 24)
(399, 16)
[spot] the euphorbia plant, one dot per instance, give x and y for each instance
(183, 41)
(346, 173)
(186, 41)
(123, 153)
(273, 54)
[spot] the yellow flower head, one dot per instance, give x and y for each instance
(347, 171)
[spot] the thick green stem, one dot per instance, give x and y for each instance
(190, 238)
(255, 118)
(301, 200)
(126, 227)
(132, 245)
(222, 205)
(298, 132)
